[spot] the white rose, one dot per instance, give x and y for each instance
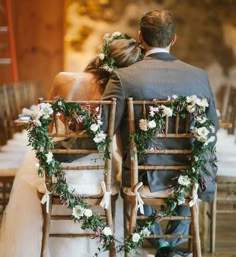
(143, 124)
(46, 110)
(135, 237)
(78, 211)
(191, 108)
(166, 111)
(202, 103)
(107, 231)
(152, 124)
(191, 99)
(88, 213)
(49, 156)
(101, 56)
(184, 180)
(116, 34)
(94, 127)
(101, 136)
(202, 134)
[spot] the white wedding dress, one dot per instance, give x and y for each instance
(21, 227)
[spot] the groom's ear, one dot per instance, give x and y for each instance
(140, 37)
(173, 40)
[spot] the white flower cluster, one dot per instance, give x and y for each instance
(78, 212)
(100, 136)
(107, 231)
(145, 124)
(43, 110)
(194, 102)
(104, 56)
(184, 180)
(137, 236)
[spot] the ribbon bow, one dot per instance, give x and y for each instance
(106, 196)
(46, 198)
(139, 200)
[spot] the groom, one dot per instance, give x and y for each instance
(158, 76)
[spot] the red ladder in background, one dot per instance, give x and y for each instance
(7, 46)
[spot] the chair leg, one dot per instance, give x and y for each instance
(204, 224)
(195, 230)
(126, 220)
(133, 216)
(46, 229)
(213, 224)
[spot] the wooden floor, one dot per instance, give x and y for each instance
(225, 236)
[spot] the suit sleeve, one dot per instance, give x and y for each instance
(114, 90)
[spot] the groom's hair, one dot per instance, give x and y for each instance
(157, 28)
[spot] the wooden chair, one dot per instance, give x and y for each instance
(227, 107)
(231, 110)
(224, 202)
(135, 108)
(6, 183)
(67, 127)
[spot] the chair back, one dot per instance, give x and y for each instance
(69, 132)
(174, 137)
(163, 144)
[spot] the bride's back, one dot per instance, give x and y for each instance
(75, 86)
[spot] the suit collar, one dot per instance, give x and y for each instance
(160, 56)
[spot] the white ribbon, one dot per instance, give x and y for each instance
(46, 198)
(105, 202)
(194, 195)
(139, 200)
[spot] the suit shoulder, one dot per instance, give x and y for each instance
(194, 68)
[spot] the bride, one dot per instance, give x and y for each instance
(21, 227)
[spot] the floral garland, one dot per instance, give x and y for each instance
(202, 128)
(39, 119)
(108, 63)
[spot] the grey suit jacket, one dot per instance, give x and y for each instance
(156, 77)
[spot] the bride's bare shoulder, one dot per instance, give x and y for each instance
(64, 82)
(71, 77)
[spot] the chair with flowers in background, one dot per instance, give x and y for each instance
(168, 136)
(84, 183)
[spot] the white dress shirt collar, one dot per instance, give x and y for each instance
(157, 50)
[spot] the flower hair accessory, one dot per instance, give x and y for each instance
(107, 62)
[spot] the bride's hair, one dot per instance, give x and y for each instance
(118, 51)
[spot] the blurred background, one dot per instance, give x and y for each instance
(63, 35)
